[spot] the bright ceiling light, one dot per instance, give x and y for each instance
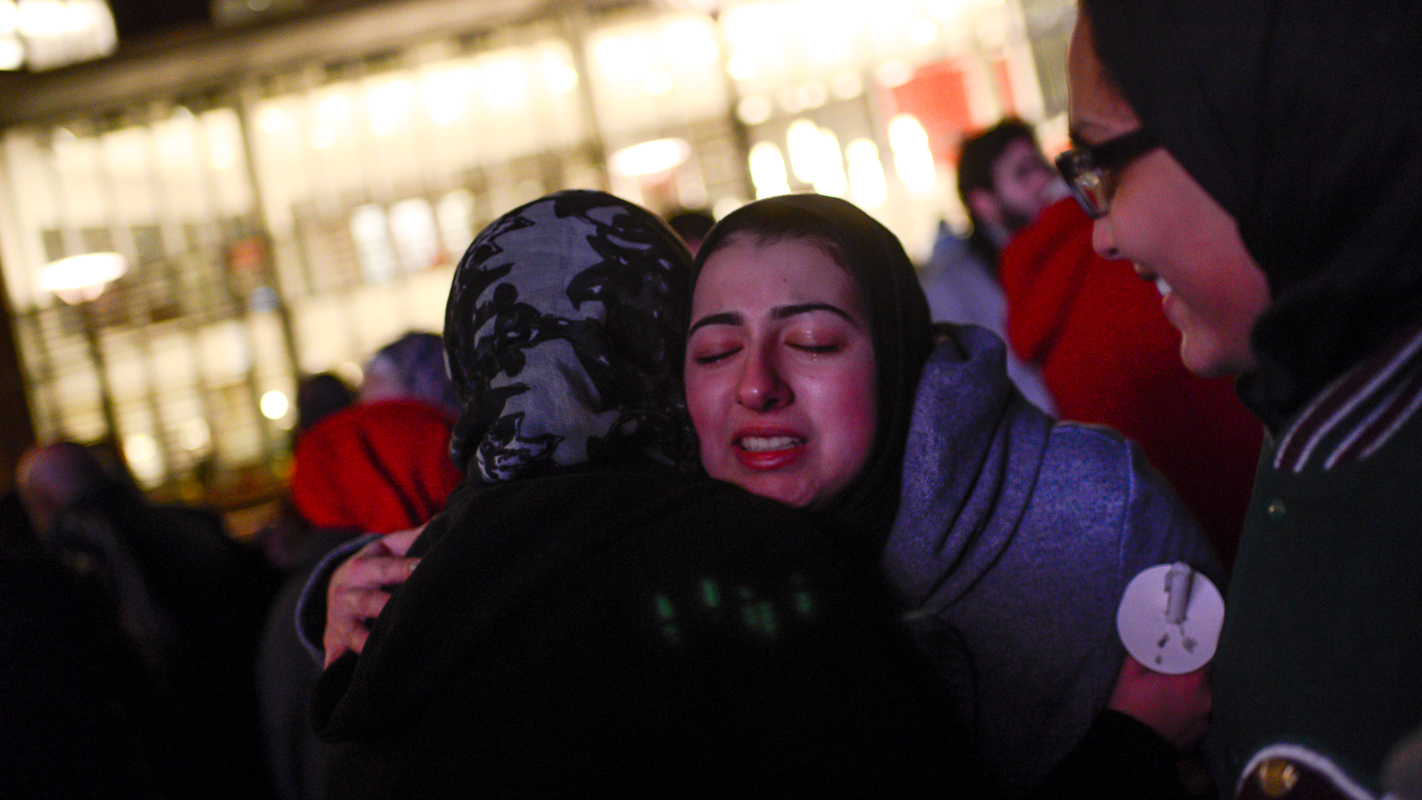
(649, 158)
(81, 278)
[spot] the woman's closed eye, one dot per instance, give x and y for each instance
(816, 349)
(708, 353)
(713, 358)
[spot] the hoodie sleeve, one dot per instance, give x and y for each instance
(1157, 528)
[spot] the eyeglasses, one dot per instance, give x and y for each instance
(1090, 170)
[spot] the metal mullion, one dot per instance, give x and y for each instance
(123, 241)
(168, 223)
(73, 245)
(219, 229)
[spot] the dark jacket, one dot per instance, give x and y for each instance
(633, 632)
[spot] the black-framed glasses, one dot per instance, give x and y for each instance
(1090, 170)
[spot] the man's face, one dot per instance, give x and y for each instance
(1023, 184)
(1170, 228)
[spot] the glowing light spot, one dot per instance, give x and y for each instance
(922, 31)
(275, 405)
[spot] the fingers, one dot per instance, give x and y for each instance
(398, 543)
(1175, 706)
(360, 588)
(347, 620)
(373, 571)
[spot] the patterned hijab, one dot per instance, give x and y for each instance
(899, 325)
(563, 333)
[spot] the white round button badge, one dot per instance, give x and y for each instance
(1170, 618)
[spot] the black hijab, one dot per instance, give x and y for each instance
(563, 336)
(899, 324)
(1304, 120)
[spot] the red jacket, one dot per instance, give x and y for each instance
(379, 467)
(1109, 356)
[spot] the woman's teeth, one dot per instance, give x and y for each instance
(1162, 287)
(761, 444)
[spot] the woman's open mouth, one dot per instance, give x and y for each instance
(768, 452)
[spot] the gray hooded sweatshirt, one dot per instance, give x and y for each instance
(1017, 535)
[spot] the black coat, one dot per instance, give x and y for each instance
(631, 633)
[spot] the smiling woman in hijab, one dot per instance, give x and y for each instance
(1296, 127)
(588, 619)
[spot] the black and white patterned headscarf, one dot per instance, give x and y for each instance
(564, 333)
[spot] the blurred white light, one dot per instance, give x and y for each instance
(141, 454)
(12, 53)
(922, 31)
(649, 158)
(657, 81)
(866, 173)
(754, 109)
(41, 18)
(767, 168)
(371, 233)
(802, 139)
(725, 206)
(389, 105)
(741, 66)
(334, 107)
(943, 9)
(323, 136)
(8, 15)
(444, 96)
(913, 159)
(195, 435)
(829, 173)
(610, 52)
(454, 212)
(690, 42)
(59, 32)
(558, 74)
(846, 85)
(893, 73)
(223, 157)
(77, 279)
(504, 81)
(789, 100)
(811, 95)
(275, 405)
(271, 120)
(415, 233)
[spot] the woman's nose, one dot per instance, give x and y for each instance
(760, 387)
(1103, 240)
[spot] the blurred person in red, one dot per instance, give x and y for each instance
(379, 466)
(1109, 356)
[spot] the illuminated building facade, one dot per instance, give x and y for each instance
(288, 196)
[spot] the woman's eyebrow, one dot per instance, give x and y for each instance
(784, 312)
(723, 318)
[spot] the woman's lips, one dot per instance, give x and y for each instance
(763, 452)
